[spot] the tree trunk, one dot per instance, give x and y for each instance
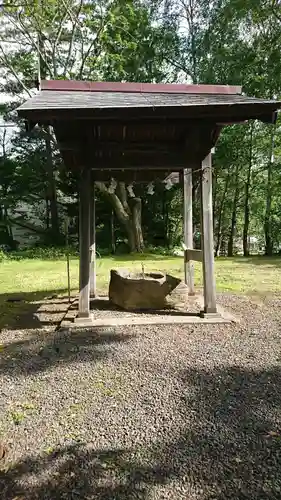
(47, 213)
(165, 216)
(133, 221)
(267, 218)
(8, 225)
(247, 199)
(233, 217)
(130, 234)
(223, 246)
(128, 214)
(51, 182)
(220, 218)
(51, 189)
(136, 223)
(246, 216)
(112, 231)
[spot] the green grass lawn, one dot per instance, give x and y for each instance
(36, 278)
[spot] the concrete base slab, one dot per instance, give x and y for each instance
(116, 318)
(213, 315)
(82, 321)
(221, 312)
(157, 320)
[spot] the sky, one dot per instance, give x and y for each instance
(10, 128)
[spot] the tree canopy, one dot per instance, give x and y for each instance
(200, 41)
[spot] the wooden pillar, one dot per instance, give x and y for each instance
(84, 243)
(207, 237)
(188, 228)
(93, 262)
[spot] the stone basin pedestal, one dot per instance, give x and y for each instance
(137, 291)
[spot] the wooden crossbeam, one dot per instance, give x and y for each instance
(139, 175)
(149, 146)
(191, 254)
(156, 161)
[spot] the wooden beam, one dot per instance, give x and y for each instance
(219, 113)
(142, 176)
(138, 162)
(190, 254)
(129, 164)
(158, 132)
(84, 244)
(207, 237)
(122, 156)
(109, 159)
(122, 146)
(188, 228)
(93, 262)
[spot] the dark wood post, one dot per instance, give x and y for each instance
(207, 236)
(188, 228)
(93, 261)
(84, 243)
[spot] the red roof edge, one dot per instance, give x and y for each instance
(169, 88)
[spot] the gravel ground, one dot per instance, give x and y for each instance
(179, 412)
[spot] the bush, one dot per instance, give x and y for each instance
(43, 253)
(3, 255)
(158, 250)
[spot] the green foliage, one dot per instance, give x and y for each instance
(42, 253)
(17, 417)
(3, 255)
(223, 41)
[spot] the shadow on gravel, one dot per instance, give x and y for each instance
(230, 448)
(75, 472)
(26, 310)
(37, 353)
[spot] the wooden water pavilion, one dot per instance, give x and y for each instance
(141, 132)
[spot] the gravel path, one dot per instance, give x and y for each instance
(174, 412)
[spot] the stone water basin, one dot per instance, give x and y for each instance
(140, 291)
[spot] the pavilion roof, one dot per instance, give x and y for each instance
(139, 131)
(61, 98)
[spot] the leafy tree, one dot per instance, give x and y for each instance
(223, 41)
(85, 40)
